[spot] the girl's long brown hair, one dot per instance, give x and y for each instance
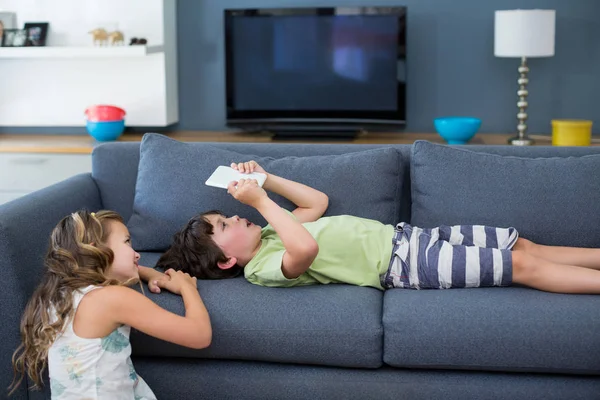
(77, 257)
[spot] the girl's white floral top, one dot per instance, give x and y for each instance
(94, 368)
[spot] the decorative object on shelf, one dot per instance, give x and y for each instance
(571, 132)
(523, 34)
(105, 131)
(105, 122)
(457, 130)
(99, 36)
(104, 112)
(8, 20)
(136, 41)
(14, 38)
(36, 33)
(116, 38)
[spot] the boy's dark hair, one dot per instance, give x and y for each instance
(194, 251)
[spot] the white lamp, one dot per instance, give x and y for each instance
(523, 34)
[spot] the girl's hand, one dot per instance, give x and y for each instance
(248, 167)
(246, 191)
(177, 281)
(155, 284)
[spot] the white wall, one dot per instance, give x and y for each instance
(71, 20)
(55, 91)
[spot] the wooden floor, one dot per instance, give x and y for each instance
(84, 144)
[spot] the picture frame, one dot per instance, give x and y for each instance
(37, 32)
(14, 38)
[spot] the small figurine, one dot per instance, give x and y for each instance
(100, 36)
(116, 37)
(140, 41)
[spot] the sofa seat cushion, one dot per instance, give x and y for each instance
(550, 200)
(334, 325)
(170, 186)
(492, 329)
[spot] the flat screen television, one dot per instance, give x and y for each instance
(315, 71)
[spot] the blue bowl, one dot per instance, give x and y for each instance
(457, 130)
(106, 130)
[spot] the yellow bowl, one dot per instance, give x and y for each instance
(571, 132)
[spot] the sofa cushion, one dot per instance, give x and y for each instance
(170, 185)
(188, 379)
(494, 329)
(335, 325)
(549, 200)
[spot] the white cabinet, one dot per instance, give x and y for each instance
(22, 173)
(53, 85)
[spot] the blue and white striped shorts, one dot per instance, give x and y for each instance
(458, 256)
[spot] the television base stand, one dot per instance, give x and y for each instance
(316, 135)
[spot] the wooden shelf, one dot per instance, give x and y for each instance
(79, 52)
(84, 144)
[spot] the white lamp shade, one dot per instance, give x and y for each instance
(524, 33)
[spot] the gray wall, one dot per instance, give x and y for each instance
(451, 66)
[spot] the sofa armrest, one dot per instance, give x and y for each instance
(25, 227)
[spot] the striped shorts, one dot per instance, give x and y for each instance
(459, 256)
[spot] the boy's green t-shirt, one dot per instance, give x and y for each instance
(352, 250)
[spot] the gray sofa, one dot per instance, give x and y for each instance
(339, 341)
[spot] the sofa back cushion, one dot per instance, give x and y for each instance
(170, 185)
(115, 166)
(550, 200)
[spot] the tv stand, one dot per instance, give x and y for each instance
(314, 135)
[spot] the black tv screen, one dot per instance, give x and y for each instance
(335, 65)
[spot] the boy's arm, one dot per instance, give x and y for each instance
(301, 248)
(311, 202)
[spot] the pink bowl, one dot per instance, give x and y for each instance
(104, 113)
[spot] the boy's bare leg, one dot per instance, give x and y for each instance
(579, 256)
(542, 274)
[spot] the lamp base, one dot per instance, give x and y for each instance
(521, 141)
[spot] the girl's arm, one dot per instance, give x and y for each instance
(152, 277)
(123, 305)
(311, 202)
(148, 274)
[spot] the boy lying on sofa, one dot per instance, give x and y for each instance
(301, 248)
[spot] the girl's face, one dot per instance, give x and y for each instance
(125, 263)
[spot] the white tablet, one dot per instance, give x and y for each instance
(223, 175)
